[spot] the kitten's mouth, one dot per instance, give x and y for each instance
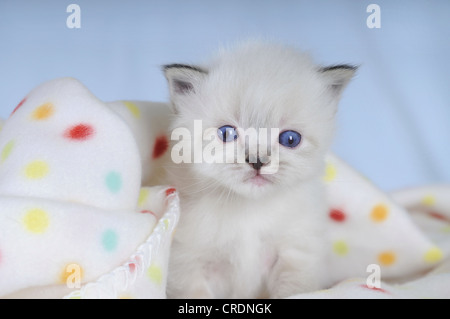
(258, 180)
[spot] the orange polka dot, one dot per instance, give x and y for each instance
(43, 112)
(71, 275)
(379, 213)
(387, 258)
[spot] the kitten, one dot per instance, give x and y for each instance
(252, 228)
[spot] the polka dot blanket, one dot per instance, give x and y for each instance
(77, 221)
(74, 219)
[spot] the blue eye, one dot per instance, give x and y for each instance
(227, 133)
(290, 138)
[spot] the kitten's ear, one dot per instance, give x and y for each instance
(338, 76)
(183, 79)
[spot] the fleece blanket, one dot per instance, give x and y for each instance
(78, 219)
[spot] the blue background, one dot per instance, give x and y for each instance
(393, 122)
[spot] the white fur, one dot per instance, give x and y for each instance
(236, 238)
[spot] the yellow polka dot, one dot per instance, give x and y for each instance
(36, 220)
(387, 258)
(323, 291)
(330, 172)
(379, 213)
(340, 248)
(36, 169)
(173, 233)
(143, 196)
(446, 229)
(154, 272)
(43, 112)
(133, 108)
(428, 200)
(166, 224)
(433, 255)
(6, 151)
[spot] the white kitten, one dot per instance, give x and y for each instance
(248, 230)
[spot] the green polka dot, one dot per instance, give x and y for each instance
(109, 240)
(445, 229)
(154, 272)
(340, 248)
(114, 182)
(6, 151)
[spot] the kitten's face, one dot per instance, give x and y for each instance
(267, 117)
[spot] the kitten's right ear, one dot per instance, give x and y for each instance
(338, 76)
(183, 80)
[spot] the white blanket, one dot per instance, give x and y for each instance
(78, 221)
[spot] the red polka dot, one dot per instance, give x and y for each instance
(146, 211)
(170, 191)
(439, 216)
(375, 288)
(161, 146)
(132, 267)
(337, 215)
(79, 132)
(18, 106)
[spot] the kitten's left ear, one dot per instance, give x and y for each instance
(183, 80)
(338, 76)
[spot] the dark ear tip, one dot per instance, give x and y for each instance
(183, 78)
(167, 67)
(348, 67)
(337, 76)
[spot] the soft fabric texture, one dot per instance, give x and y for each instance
(429, 209)
(367, 227)
(72, 206)
(72, 203)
